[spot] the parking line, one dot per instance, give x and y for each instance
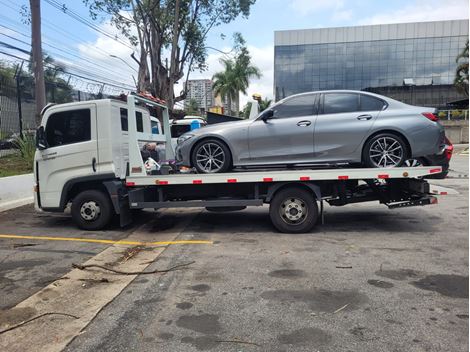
(91, 240)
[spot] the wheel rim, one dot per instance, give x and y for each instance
(210, 157)
(386, 152)
(293, 211)
(413, 163)
(90, 211)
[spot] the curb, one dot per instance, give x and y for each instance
(16, 203)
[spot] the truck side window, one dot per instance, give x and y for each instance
(138, 119)
(68, 127)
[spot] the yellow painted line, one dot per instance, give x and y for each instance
(92, 240)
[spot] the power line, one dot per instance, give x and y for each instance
(81, 71)
(106, 69)
(68, 73)
(86, 22)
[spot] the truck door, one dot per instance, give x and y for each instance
(72, 150)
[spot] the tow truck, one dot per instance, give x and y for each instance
(88, 157)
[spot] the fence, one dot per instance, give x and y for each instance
(18, 107)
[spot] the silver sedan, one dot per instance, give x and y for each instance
(327, 127)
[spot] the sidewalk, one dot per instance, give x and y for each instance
(16, 191)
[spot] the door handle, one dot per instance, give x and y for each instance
(93, 164)
(304, 123)
(364, 117)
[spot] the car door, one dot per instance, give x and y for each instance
(343, 121)
(72, 151)
(286, 137)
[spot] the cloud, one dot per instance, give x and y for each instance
(261, 57)
(421, 10)
(335, 8)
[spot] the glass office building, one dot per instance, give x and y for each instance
(411, 62)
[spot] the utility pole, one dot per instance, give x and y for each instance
(37, 64)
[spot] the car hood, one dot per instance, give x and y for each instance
(224, 126)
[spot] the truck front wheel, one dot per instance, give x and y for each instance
(91, 210)
(293, 210)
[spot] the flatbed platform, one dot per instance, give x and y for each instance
(284, 176)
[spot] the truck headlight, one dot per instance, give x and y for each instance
(184, 137)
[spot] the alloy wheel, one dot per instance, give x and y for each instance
(413, 163)
(386, 152)
(210, 157)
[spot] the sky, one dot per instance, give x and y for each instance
(88, 53)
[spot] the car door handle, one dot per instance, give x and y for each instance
(304, 123)
(93, 164)
(364, 117)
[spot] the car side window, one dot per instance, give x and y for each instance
(336, 103)
(68, 127)
(368, 103)
(138, 120)
(302, 105)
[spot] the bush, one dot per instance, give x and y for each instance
(27, 147)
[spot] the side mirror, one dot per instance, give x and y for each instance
(267, 115)
(41, 142)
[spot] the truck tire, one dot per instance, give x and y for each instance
(293, 210)
(92, 210)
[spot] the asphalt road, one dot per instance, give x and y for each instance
(369, 279)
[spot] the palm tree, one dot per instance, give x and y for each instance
(224, 83)
(461, 74)
(244, 71)
(264, 104)
(235, 78)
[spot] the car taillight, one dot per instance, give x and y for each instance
(430, 116)
(449, 149)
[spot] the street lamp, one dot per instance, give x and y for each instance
(132, 68)
(117, 57)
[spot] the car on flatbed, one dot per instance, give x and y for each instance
(327, 127)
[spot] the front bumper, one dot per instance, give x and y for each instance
(183, 154)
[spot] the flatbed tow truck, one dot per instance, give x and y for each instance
(295, 196)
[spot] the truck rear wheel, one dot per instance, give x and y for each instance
(92, 210)
(293, 210)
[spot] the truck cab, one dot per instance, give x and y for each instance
(82, 143)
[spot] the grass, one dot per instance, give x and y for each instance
(14, 164)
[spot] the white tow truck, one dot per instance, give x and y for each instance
(88, 156)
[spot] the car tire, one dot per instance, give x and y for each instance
(304, 209)
(373, 153)
(92, 210)
(218, 157)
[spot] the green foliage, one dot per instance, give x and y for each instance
(27, 147)
(236, 76)
(192, 107)
(171, 35)
(461, 74)
(264, 104)
(57, 89)
(14, 164)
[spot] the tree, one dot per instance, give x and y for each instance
(170, 35)
(235, 78)
(264, 104)
(244, 71)
(224, 83)
(461, 74)
(192, 107)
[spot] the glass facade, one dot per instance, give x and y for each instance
(427, 64)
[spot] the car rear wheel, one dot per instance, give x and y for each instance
(385, 150)
(211, 156)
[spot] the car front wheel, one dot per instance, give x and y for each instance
(385, 150)
(211, 156)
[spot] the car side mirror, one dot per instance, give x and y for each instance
(41, 142)
(267, 115)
